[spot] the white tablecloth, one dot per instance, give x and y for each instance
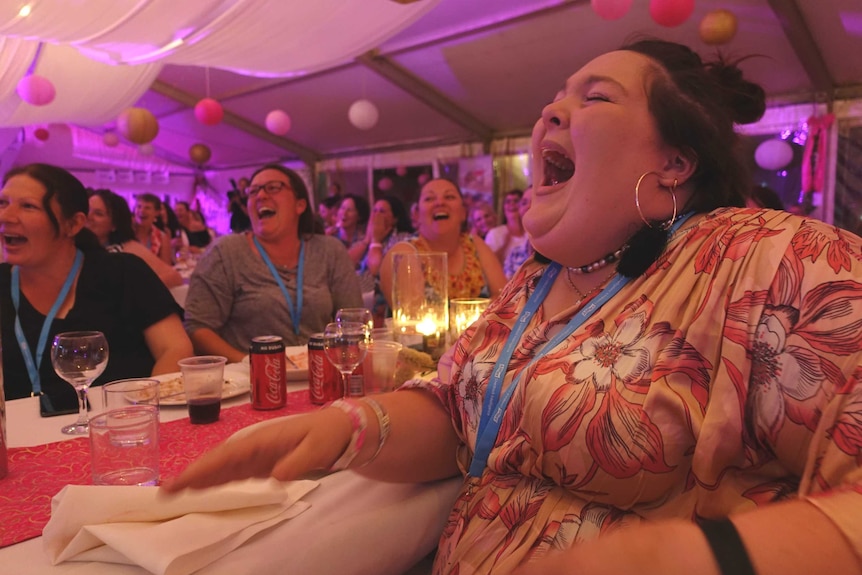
(354, 526)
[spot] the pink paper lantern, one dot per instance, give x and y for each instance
(363, 114)
(36, 90)
(209, 112)
(146, 149)
(110, 139)
(423, 179)
(384, 185)
(278, 122)
(611, 9)
(41, 134)
(670, 13)
(401, 171)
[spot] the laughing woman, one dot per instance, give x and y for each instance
(671, 386)
(278, 279)
(110, 219)
(57, 277)
(474, 270)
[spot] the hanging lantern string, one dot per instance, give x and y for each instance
(35, 61)
(207, 80)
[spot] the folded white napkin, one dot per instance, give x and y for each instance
(166, 535)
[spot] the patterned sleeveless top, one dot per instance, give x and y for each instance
(470, 281)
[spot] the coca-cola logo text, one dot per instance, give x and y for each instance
(272, 370)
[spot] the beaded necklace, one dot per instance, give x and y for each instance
(601, 262)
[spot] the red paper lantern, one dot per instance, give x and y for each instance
(36, 90)
(278, 122)
(209, 112)
(200, 154)
(611, 9)
(110, 139)
(41, 134)
(718, 27)
(138, 125)
(671, 13)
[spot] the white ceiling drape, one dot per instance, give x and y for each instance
(101, 55)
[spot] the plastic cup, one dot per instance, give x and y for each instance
(126, 392)
(203, 380)
(124, 446)
(378, 368)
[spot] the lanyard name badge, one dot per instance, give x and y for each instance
(495, 403)
(33, 362)
(294, 311)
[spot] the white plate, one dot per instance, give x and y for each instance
(299, 355)
(172, 387)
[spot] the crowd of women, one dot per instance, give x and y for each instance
(668, 383)
(279, 264)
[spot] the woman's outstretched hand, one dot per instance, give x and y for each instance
(285, 450)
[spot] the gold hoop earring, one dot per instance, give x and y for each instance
(667, 223)
(638, 198)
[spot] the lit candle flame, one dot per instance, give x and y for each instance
(427, 326)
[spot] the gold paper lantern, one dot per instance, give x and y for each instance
(138, 125)
(718, 27)
(200, 154)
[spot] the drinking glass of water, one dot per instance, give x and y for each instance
(79, 357)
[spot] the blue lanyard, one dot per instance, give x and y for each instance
(31, 362)
(295, 312)
(494, 405)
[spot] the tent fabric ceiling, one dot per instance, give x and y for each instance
(439, 71)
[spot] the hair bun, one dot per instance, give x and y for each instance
(745, 100)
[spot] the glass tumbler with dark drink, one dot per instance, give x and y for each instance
(203, 380)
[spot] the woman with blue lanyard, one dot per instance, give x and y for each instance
(670, 386)
(57, 277)
(278, 279)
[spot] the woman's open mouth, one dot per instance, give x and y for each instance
(558, 167)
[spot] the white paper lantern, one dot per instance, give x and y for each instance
(363, 114)
(773, 154)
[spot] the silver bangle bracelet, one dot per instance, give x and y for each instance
(383, 425)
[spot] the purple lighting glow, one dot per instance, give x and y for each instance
(852, 22)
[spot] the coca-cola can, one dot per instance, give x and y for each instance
(267, 366)
(324, 380)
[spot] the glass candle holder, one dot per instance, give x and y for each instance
(420, 303)
(463, 312)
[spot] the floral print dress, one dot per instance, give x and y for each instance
(470, 281)
(722, 379)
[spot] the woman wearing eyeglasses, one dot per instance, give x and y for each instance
(277, 279)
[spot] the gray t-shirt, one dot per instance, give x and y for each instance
(233, 293)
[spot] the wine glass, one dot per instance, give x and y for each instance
(341, 345)
(357, 315)
(79, 357)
